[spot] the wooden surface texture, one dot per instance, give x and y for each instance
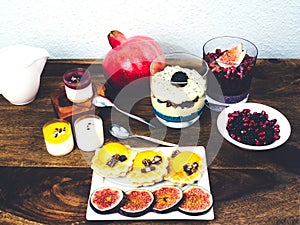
(248, 187)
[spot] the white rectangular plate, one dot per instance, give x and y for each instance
(98, 181)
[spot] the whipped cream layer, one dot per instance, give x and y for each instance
(79, 95)
(177, 100)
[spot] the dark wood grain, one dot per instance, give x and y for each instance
(51, 195)
(248, 187)
(275, 83)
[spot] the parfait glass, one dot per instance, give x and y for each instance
(178, 84)
(229, 81)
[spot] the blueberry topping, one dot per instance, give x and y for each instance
(179, 79)
(122, 158)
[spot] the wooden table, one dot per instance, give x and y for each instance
(248, 187)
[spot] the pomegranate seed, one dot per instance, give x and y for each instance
(257, 127)
(276, 136)
(235, 114)
(272, 121)
(246, 110)
(257, 142)
(245, 119)
(240, 75)
(262, 138)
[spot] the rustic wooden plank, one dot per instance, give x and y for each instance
(51, 195)
(275, 83)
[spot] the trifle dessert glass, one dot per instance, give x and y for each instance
(78, 85)
(178, 84)
(231, 61)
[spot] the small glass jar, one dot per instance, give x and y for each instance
(89, 132)
(58, 137)
(178, 85)
(78, 85)
(229, 82)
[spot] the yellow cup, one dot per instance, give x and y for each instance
(58, 137)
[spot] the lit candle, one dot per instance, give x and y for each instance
(58, 137)
(89, 132)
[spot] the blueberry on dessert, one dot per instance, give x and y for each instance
(179, 79)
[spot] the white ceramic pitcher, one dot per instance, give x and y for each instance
(20, 71)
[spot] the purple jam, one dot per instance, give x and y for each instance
(78, 78)
(233, 82)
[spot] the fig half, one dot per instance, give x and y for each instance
(107, 200)
(167, 199)
(196, 201)
(138, 203)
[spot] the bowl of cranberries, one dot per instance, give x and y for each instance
(253, 126)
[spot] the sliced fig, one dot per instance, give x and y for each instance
(167, 199)
(107, 200)
(138, 203)
(196, 201)
(232, 57)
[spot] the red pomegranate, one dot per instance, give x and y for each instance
(129, 59)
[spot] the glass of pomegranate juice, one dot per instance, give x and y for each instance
(231, 61)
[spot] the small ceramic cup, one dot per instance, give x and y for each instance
(58, 137)
(89, 132)
(78, 85)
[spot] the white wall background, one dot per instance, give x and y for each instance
(79, 28)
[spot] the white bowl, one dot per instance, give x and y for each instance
(285, 127)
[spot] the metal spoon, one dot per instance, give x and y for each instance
(121, 133)
(100, 101)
